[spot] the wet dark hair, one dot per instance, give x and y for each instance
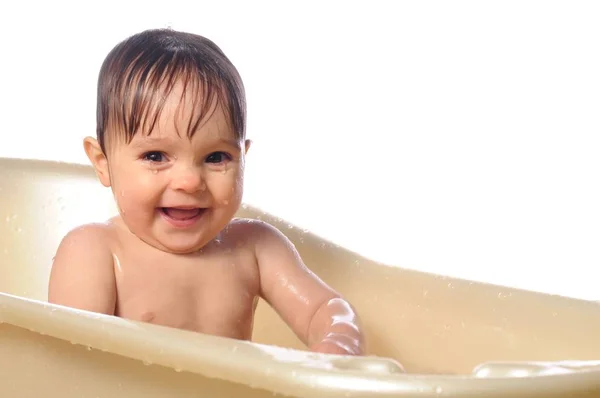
(139, 73)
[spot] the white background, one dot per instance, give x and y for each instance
(454, 137)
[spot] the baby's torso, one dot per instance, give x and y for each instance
(212, 292)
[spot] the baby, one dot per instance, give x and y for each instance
(171, 144)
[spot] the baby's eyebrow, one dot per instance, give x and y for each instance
(233, 143)
(148, 141)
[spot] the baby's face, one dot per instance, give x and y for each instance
(174, 192)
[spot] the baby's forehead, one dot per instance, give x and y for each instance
(172, 127)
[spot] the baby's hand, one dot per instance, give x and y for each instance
(338, 344)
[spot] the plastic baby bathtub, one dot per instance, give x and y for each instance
(453, 337)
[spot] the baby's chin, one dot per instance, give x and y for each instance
(181, 249)
(175, 246)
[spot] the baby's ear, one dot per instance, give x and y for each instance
(98, 159)
(248, 143)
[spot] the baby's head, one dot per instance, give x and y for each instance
(171, 139)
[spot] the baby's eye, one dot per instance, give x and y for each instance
(217, 157)
(154, 156)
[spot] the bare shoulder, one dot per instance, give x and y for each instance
(82, 273)
(87, 240)
(257, 234)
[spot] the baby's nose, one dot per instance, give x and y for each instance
(188, 180)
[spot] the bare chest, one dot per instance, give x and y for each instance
(212, 294)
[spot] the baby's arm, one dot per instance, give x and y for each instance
(82, 274)
(318, 315)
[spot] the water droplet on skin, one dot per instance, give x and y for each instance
(425, 293)
(88, 348)
(5, 251)
(178, 370)
(450, 285)
(154, 171)
(439, 390)
(555, 314)
(225, 202)
(146, 362)
(19, 230)
(7, 218)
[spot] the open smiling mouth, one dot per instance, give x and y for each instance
(180, 217)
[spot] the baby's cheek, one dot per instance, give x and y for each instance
(226, 191)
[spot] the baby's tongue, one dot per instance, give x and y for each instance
(181, 214)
